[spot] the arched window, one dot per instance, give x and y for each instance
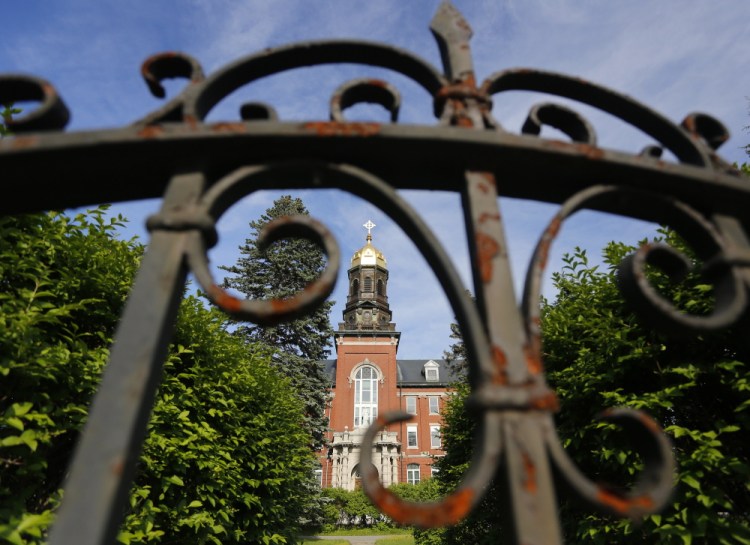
(355, 288)
(365, 396)
(368, 284)
(381, 287)
(412, 474)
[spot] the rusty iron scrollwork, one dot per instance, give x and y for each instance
(201, 169)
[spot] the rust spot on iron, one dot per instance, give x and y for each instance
(546, 402)
(591, 152)
(49, 90)
(229, 127)
(191, 121)
(623, 505)
(533, 364)
(486, 216)
(151, 131)
(649, 423)
(487, 249)
(377, 83)
(23, 142)
(501, 365)
(117, 467)
(427, 515)
(335, 128)
(529, 474)
(223, 299)
(549, 235)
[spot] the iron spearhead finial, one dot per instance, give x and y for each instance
(453, 33)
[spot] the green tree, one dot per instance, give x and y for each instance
(56, 326)
(598, 355)
(226, 454)
(280, 271)
(225, 457)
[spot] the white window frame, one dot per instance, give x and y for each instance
(365, 410)
(411, 431)
(432, 371)
(413, 474)
(411, 400)
(434, 400)
(435, 437)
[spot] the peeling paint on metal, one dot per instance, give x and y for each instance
(425, 515)
(151, 131)
(486, 216)
(334, 128)
(501, 365)
(623, 505)
(529, 474)
(487, 249)
(223, 299)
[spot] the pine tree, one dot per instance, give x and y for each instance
(282, 270)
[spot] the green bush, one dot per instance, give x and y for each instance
(225, 457)
(56, 325)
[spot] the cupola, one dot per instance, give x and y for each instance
(367, 301)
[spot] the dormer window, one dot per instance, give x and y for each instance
(431, 371)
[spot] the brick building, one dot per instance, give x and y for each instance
(367, 379)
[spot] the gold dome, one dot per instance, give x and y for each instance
(369, 255)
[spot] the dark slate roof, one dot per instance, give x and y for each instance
(410, 372)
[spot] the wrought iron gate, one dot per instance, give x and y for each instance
(200, 169)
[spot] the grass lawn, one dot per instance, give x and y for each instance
(368, 532)
(401, 540)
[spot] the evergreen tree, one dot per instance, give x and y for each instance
(280, 271)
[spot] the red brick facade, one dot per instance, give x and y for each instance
(368, 380)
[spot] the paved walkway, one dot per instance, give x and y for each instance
(356, 540)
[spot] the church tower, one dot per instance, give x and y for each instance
(367, 301)
(366, 372)
(368, 381)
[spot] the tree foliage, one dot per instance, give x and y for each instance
(598, 355)
(280, 271)
(225, 454)
(56, 325)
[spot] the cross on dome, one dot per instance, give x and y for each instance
(369, 225)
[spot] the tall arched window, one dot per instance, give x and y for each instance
(355, 288)
(365, 396)
(381, 287)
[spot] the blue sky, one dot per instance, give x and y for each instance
(675, 56)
